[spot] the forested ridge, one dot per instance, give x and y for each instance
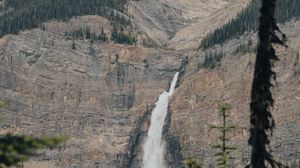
(247, 20)
(26, 14)
(117, 35)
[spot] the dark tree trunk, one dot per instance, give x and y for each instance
(261, 120)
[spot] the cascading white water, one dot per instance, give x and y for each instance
(154, 145)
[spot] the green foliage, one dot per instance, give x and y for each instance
(223, 156)
(119, 36)
(76, 34)
(212, 59)
(102, 37)
(149, 43)
(87, 32)
(247, 20)
(223, 109)
(246, 48)
(16, 149)
(26, 14)
(293, 164)
(192, 163)
(81, 34)
(3, 104)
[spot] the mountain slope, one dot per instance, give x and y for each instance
(244, 22)
(162, 20)
(26, 14)
(190, 37)
(196, 101)
(101, 94)
(96, 94)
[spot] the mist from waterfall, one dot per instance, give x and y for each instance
(154, 145)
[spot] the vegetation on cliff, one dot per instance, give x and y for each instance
(247, 21)
(26, 14)
(192, 163)
(212, 59)
(261, 119)
(15, 149)
(86, 33)
(119, 36)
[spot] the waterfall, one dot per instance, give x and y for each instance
(154, 145)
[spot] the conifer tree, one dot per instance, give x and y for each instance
(224, 149)
(102, 31)
(87, 32)
(103, 36)
(261, 119)
(73, 44)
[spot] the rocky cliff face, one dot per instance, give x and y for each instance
(96, 94)
(101, 94)
(195, 105)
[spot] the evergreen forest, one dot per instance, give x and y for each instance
(18, 15)
(247, 20)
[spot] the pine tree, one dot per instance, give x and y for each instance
(103, 36)
(224, 154)
(114, 33)
(87, 32)
(261, 119)
(73, 44)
